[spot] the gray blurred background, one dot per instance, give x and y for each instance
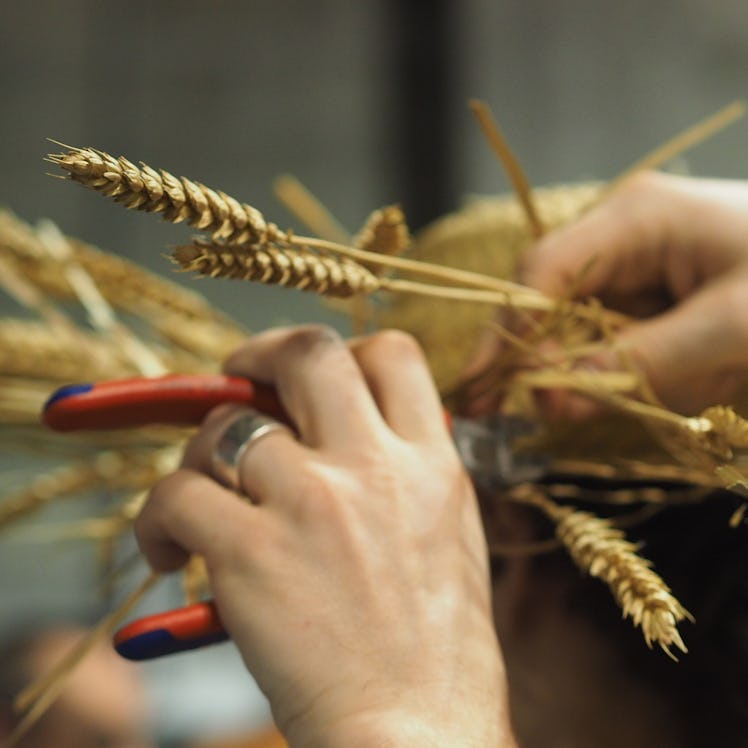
(366, 102)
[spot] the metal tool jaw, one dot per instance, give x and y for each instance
(488, 449)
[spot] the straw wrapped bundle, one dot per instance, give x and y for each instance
(487, 236)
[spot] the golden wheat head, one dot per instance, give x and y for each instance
(602, 551)
(177, 199)
(284, 266)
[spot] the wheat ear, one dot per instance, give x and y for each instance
(177, 199)
(602, 550)
(326, 273)
(285, 266)
(385, 232)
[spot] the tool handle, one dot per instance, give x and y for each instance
(173, 399)
(178, 630)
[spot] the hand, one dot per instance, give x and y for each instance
(674, 253)
(356, 583)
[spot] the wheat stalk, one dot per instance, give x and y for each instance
(298, 267)
(513, 168)
(128, 184)
(308, 209)
(682, 142)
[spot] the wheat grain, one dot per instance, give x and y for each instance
(727, 434)
(177, 199)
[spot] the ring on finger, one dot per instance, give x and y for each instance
(245, 430)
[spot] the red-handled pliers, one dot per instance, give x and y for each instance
(174, 399)
(185, 399)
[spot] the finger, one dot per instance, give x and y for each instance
(694, 354)
(651, 235)
(318, 381)
(266, 468)
(188, 512)
(399, 379)
(614, 248)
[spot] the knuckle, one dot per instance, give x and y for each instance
(395, 344)
(309, 337)
(160, 499)
(318, 495)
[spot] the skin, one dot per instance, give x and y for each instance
(670, 251)
(355, 582)
(102, 704)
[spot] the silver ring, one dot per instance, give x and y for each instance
(247, 428)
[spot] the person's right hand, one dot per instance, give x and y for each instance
(672, 252)
(356, 584)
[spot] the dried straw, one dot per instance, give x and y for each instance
(100, 313)
(309, 210)
(136, 469)
(690, 137)
(513, 168)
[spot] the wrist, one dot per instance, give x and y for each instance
(403, 729)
